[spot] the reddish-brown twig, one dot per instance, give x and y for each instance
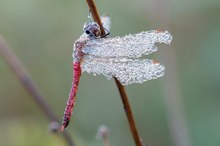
(121, 88)
(30, 86)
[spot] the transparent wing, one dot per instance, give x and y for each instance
(106, 22)
(132, 45)
(127, 71)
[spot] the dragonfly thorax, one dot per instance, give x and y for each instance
(92, 30)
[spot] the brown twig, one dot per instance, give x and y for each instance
(29, 84)
(128, 112)
(95, 15)
(121, 88)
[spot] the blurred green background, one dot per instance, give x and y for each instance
(41, 33)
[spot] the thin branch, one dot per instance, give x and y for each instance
(121, 88)
(128, 112)
(28, 83)
(95, 15)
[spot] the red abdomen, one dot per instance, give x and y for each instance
(72, 96)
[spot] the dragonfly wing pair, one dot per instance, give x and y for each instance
(118, 56)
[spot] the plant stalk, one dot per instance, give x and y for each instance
(121, 88)
(25, 79)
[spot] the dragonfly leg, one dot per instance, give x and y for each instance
(108, 33)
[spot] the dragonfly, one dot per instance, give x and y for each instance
(117, 57)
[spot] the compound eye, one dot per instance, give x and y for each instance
(87, 32)
(96, 24)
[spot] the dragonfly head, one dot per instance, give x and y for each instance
(92, 30)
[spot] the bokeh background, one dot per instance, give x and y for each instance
(182, 108)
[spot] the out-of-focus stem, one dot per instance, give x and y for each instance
(121, 88)
(171, 85)
(22, 74)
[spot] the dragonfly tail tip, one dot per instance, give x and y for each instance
(62, 128)
(64, 125)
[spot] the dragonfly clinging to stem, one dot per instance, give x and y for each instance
(114, 57)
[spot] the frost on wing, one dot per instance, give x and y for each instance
(127, 71)
(131, 46)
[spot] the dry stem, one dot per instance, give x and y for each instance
(121, 88)
(29, 84)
